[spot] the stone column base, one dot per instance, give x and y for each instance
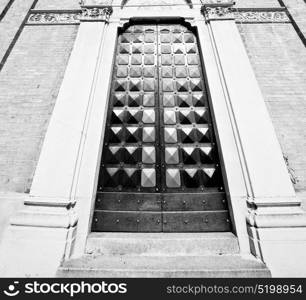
(36, 242)
(282, 247)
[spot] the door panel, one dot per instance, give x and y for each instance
(160, 167)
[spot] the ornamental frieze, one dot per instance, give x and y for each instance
(96, 14)
(261, 17)
(53, 18)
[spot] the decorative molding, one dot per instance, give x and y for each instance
(218, 9)
(96, 13)
(218, 13)
(54, 18)
(225, 11)
(86, 14)
(261, 17)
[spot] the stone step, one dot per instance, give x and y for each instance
(163, 244)
(129, 266)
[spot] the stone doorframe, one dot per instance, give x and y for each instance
(56, 221)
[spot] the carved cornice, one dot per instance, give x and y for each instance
(225, 11)
(44, 17)
(96, 13)
(218, 13)
(218, 9)
(86, 14)
(261, 17)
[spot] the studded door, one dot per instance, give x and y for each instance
(160, 167)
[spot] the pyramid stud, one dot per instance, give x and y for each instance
(148, 100)
(203, 133)
(115, 135)
(148, 178)
(149, 48)
(148, 85)
(166, 59)
(191, 48)
(191, 178)
(119, 99)
(167, 85)
(177, 38)
(184, 100)
(120, 85)
(206, 154)
(171, 155)
(149, 59)
(189, 38)
(112, 171)
(117, 116)
(192, 59)
(148, 155)
(168, 100)
(124, 48)
(135, 85)
(148, 134)
(167, 72)
(137, 48)
(165, 49)
(180, 72)
(194, 72)
(133, 116)
(130, 154)
(122, 72)
(132, 134)
(134, 99)
(149, 37)
(182, 85)
(209, 172)
(173, 178)
(123, 59)
(178, 49)
(125, 38)
(148, 116)
(169, 117)
(136, 59)
(196, 84)
(135, 71)
(201, 115)
(187, 135)
(170, 135)
(179, 59)
(189, 155)
(148, 71)
(186, 116)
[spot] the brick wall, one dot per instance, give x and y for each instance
(278, 57)
(11, 24)
(29, 84)
(4, 5)
(297, 9)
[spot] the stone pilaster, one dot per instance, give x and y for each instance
(276, 224)
(45, 229)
